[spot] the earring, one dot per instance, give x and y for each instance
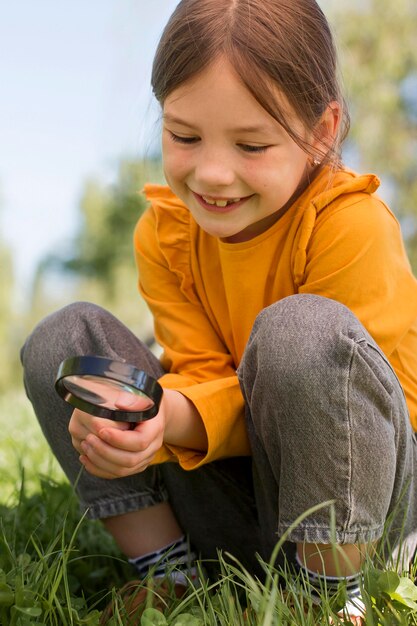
(316, 161)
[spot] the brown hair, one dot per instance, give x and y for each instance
(288, 41)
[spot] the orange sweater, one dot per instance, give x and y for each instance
(338, 240)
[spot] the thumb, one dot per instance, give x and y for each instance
(132, 402)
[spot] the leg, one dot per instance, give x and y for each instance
(327, 421)
(158, 527)
(81, 329)
(214, 504)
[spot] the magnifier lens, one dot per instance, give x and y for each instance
(108, 393)
(108, 388)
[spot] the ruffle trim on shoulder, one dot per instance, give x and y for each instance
(368, 183)
(173, 226)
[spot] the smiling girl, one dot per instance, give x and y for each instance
(235, 178)
(287, 313)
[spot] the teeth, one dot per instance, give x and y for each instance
(219, 203)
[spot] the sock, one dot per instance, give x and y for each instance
(174, 561)
(354, 606)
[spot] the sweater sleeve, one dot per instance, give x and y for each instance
(194, 356)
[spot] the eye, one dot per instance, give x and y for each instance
(184, 140)
(252, 149)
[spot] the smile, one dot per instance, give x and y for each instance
(220, 205)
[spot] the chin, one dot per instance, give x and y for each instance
(218, 233)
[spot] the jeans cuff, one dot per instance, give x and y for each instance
(126, 504)
(326, 535)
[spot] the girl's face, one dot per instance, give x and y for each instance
(236, 169)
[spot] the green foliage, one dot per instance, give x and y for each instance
(108, 217)
(58, 569)
(153, 617)
(52, 566)
(390, 597)
(22, 445)
(239, 599)
(54, 570)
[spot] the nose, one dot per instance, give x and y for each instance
(214, 169)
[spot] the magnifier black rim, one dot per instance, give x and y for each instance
(102, 368)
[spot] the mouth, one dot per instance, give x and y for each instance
(217, 204)
(221, 202)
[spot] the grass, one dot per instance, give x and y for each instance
(59, 569)
(22, 445)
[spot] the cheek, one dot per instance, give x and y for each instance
(175, 163)
(261, 176)
(255, 174)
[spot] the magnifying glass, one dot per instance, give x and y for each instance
(107, 388)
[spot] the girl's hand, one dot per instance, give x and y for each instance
(109, 449)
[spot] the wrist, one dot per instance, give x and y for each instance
(183, 424)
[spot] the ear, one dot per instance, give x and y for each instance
(326, 130)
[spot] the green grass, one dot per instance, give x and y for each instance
(58, 569)
(22, 446)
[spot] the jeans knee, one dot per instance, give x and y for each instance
(49, 341)
(296, 335)
(304, 316)
(64, 321)
(300, 347)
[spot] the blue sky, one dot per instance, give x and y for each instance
(74, 99)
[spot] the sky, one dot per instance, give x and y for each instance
(74, 100)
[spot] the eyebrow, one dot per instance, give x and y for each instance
(239, 129)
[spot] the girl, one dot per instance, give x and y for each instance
(285, 306)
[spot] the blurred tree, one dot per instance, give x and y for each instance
(379, 63)
(108, 217)
(99, 265)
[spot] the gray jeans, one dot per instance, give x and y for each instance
(326, 417)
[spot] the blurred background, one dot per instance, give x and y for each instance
(79, 136)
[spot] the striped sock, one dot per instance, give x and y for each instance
(354, 606)
(174, 561)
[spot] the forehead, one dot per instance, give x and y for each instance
(219, 78)
(217, 94)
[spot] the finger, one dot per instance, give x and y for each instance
(76, 426)
(78, 434)
(81, 424)
(100, 473)
(111, 473)
(114, 459)
(94, 470)
(117, 464)
(130, 402)
(92, 423)
(138, 439)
